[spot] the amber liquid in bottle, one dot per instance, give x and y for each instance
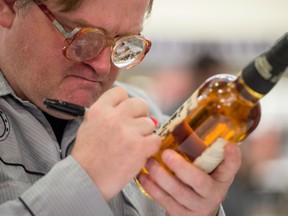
(224, 108)
(224, 111)
(221, 110)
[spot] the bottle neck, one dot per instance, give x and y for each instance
(245, 91)
(266, 70)
(263, 73)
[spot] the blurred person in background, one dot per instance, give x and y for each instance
(205, 66)
(173, 85)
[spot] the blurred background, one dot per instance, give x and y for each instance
(192, 40)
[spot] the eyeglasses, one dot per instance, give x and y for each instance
(84, 44)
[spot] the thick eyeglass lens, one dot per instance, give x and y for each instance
(128, 51)
(86, 45)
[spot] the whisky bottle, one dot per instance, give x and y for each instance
(225, 108)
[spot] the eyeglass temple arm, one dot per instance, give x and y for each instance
(55, 22)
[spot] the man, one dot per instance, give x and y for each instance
(52, 164)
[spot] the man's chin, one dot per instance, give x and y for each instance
(79, 95)
(82, 99)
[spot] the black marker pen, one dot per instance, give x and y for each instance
(65, 107)
(74, 110)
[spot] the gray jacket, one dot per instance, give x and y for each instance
(38, 177)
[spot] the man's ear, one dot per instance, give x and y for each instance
(6, 13)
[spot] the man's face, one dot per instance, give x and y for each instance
(31, 50)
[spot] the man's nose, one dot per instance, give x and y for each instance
(102, 62)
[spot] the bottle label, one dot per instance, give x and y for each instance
(265, 69)
(178, 116)
(212, 156)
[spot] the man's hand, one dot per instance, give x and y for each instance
(115, 140)
(191, 191)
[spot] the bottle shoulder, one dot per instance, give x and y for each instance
(220, 101)
(227, 88)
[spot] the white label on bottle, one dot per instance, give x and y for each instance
(178, 116)
(212, 156)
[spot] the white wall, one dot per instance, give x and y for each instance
(218, 20)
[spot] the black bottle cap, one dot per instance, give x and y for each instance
(266, 70)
